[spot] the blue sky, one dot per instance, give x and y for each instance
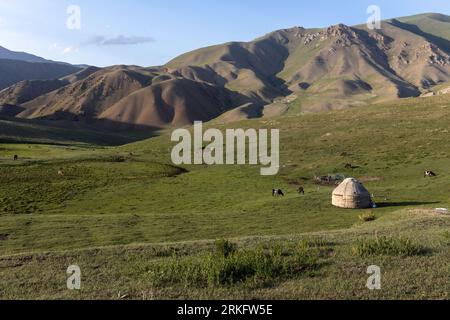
(151, 32)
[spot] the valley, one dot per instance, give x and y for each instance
(120, 210)
(88, 177)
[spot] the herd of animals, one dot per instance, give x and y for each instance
(327, 180)
(301, 190)
(279, 192)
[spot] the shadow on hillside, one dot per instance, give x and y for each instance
(403, 204)
(441, 42)
(64, 128)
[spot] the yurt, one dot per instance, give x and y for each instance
(351, 194)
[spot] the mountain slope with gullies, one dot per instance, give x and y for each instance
(331, 68)
(288, 71)
(176, 102)
(87, 97)
(28, 90)
(132, 96)
(14, 71)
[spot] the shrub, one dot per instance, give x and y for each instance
(230, 267)
(117, 158)
(367, 217)
(386, 246)
(224, 248)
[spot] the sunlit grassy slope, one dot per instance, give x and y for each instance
(131, 198)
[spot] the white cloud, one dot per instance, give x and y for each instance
(118, 40)
(69, 50)
(63, 49)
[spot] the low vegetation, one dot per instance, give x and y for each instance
(258, 267)
(367, 217)
(447, 235)
(141, 228)
(387, 246)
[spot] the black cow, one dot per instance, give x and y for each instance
(301, 190)
(16, 157)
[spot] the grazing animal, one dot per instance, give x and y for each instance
(16, 157)
(301, 190)
(61, 173)
(277, 192)
(323, 179)
(429, 174)
(348, 166)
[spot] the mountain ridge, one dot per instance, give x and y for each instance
(14, 71)
(22, 56)
(296, 69)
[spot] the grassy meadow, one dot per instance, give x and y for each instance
(142, 228)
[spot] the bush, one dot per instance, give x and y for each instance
(230, 267)
(117, 158)
(367, 217)
(224, 248)
(386, 246)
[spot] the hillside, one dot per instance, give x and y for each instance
(19, 131)
(130, 96)
(127, 216)
(347, 65)
(13, 71)
(28, 90)
(87, 97)
(176, 102)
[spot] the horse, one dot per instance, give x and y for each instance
(277, 192)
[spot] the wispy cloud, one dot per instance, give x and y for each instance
(101, 41)
(118, 41)
(64, 50)
(68, 50)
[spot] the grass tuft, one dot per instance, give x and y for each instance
(387, 246)
(225, 248)
(117, 158)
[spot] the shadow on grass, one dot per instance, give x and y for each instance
(403, 204)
